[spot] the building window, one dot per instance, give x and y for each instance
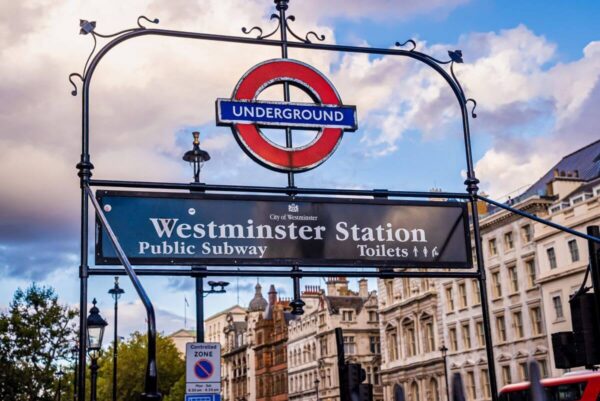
(376, 376)
(389, 290)
(543, 367)
(475, 291)
(531, 275)
(349, 345)
(493, 249)
(347, 315)
(453, 340)
(508, 241)
(324, 347)
(411, 340)
(518, 324)
(392, 344)
(506, 377)
(523, 371)
(406, 287)
(434, 390)
(574, 250)
(449, 299)
(551, 257)
(558, 309)
(414, 392)
(428, 335)
(466, 335)
(536, 320)
(485, 383)
(496, 285)
(480, 334)
(470, 386)
(321, 320)
(501, 328)
(514, 279)
(462, 295)
(373, 316)
(526, 233)
(374, 345)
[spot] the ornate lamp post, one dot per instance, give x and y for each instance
(444, 351)
(95, 326)
(197, 157)
(74, 354)
(317, 381)
(60, 376)
(116, 293)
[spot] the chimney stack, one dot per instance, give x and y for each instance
(363, 288)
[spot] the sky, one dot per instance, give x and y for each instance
(532, 66)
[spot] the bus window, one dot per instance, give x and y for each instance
(565, 392)
(519, 395)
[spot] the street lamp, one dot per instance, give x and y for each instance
(213, 285)
(196, 156)
(60, 376)
(317, 381)
(444, 351)
(116, 293)
(95, 325)
(74, 355)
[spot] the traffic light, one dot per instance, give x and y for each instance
(579, 347)
(357, 390)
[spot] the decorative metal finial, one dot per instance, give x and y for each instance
(196, 135)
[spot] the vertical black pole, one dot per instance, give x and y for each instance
(75, 378)
(594, 252)
(341, 362)
(445, 356)
(60, 385)
(281, 6)
(94, 377)
(199, 304)
(472, 187)
(115, 345)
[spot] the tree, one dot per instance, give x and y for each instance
(131, 370)
(35, 334)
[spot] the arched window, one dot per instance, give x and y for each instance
(428, 334)
(414, 392)
(410, 338)
(434, 390)
(392, 343)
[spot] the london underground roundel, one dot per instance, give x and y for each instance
(246, 115)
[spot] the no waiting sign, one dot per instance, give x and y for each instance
(203, 368)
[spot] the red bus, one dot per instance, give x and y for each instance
(573, 387)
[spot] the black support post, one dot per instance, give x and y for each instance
(594, 252)
(199, 303)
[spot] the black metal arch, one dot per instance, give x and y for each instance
(85, 168)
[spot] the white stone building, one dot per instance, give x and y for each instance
(312, 356)
(411, 329)
(563, 257)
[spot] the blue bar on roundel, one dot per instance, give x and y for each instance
(286, 114)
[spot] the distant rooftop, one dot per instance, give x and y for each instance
(585, 161)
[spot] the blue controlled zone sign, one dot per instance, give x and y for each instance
(203, 397)
(203, 370)
(286, 114)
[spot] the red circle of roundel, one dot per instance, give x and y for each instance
(268, 153)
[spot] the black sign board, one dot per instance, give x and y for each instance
(156, 228)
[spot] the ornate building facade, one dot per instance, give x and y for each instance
(270, 350)
(312, 353)
(411, 332)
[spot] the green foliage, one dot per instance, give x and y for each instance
(35, 334)
(131, 368)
